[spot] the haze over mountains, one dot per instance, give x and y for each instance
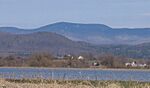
(91, 33)
(70, 38)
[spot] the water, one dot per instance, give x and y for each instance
(75, 74)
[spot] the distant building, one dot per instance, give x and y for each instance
(65, 57)
(80, 58)
(135, 64)
(68, 55)
(60, 57)
(127, 64)
(96, 64)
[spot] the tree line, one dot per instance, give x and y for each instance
(48, 60)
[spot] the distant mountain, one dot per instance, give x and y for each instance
(91, 33)
(60, 45)
(41, 42)
(139, 51)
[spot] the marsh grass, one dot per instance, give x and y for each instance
(42, 83)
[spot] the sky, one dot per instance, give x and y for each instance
(36, 13)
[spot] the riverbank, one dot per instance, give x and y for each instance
(39, 83)
(113, 69)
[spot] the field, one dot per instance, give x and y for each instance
(39, 83)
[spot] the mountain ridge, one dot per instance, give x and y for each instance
(60, 45)
(91, 33)
(41, 42)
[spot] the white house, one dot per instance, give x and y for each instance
(96, 64)
(134, 64)
(80, 58)
(127, 64)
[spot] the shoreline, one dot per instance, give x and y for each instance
(51, 68)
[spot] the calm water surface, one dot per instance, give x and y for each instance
(75, 74)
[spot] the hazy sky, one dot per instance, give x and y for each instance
(35, 13)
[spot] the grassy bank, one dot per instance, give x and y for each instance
(39, 83)
(51, 68)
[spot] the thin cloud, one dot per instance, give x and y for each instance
(145, 14)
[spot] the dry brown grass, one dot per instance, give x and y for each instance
(70, 84)
(6, 84)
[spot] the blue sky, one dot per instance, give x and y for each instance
(114, 13)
